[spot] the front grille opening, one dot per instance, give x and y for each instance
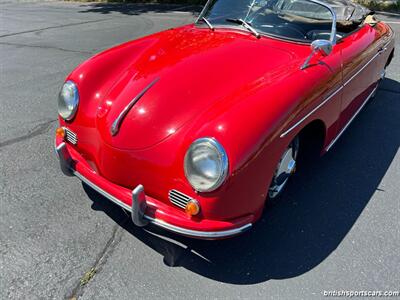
(179, 199)
(70, 136)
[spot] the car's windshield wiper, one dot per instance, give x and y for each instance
(207, 22)
(245, 25)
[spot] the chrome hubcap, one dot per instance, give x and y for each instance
(383, 74)
(286, 167)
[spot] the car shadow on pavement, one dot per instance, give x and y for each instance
(319, 208)
(137, 8)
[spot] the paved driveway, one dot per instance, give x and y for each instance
(337, 227)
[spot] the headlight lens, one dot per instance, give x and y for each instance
(68, 100)
(206, 165)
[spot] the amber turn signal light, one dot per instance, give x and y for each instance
(60, 132)
(192, 208)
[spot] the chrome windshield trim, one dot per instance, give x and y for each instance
(260, 33)
(351, 120)
(163, 224)
(201, 15)
(334, 19)
(117, 122)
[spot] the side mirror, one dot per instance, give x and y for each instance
(322, 46)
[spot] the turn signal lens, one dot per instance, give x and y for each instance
(192, 208)
(60, 132)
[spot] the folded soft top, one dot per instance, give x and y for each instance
(347, 10)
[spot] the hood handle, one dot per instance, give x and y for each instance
(118, 121)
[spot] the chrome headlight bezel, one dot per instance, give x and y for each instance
(222, 165)
(68, 100)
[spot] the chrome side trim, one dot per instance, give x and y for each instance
(335, 92)
(382, 49)
(163, 224)
(313, 111)
(349, 122)
(362, 68)
(117, 122)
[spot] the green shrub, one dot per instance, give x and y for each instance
(381, 5)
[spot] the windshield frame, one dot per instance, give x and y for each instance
(333, 38)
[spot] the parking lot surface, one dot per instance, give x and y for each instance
(337, 227)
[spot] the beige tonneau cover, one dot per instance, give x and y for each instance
(347, 12)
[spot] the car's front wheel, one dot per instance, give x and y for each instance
(286, 167)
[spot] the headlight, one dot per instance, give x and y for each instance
(206, 165)
(68, 100)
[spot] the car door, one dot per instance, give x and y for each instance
(361, 71)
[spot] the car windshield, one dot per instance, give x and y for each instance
(302, 20)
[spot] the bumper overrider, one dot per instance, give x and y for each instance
(144, 209)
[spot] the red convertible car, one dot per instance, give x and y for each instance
(194, 128)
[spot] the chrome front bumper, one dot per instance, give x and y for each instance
(139, 218)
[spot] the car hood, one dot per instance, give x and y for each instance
(193, 69)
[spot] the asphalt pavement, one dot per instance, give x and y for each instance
(337, 227)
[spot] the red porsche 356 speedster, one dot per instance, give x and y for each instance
(194, 128)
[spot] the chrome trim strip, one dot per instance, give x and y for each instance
(334, 93)
(102, 192)
(199, 234)
(117, 122)
(359, 71)
(351, 120)
(164, 225)
(311, 112)
(201, 15)
(382, 49)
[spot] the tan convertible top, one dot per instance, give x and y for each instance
(347, 10)
(348, 13)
